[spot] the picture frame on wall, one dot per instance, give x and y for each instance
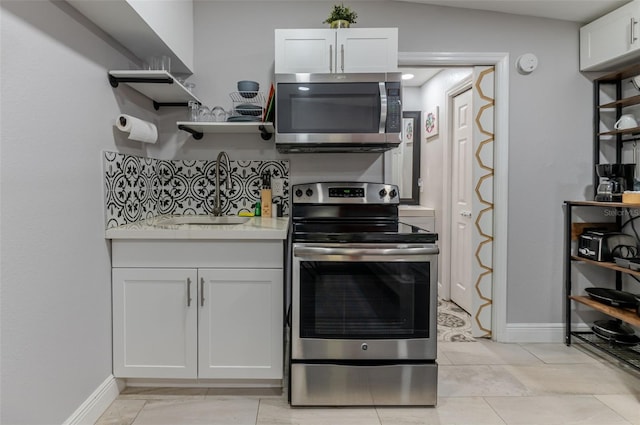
(431, 122)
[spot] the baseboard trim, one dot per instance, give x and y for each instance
(538, 332)
(96, 404)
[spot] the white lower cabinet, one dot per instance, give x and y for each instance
(155, 332)
(240, 328)
(197, 323)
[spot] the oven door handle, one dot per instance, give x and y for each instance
(323, 251)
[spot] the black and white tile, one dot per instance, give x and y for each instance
(138, 188)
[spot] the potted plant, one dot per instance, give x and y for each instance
(341, 16)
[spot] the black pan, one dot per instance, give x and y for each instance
(613, 297)
(615, 331)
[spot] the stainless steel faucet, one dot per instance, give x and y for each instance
(217, 206)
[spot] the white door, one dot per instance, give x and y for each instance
(240, 323)
(461, 201)
(154, 323)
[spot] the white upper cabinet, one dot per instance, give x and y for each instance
(147, 28)
(336, 50)
(612, 39)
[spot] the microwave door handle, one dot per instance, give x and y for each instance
(383, 107)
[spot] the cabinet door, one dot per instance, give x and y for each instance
(240, 323)
(610, 39)
(154, 323)
(367, 50)
(304, 50)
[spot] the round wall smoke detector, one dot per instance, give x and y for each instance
(527, 63)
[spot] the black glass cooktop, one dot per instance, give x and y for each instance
(362, 231)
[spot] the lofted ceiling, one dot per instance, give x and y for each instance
(581, 11)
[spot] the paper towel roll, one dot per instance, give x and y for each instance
(140, 130)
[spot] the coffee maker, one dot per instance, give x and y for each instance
(614, 180)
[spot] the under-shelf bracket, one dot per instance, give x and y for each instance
(196, 134)
(157, 105)
(264, 133)
(114, 81)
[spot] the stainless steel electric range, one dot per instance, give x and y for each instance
(363, 299)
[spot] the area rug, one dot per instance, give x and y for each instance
(454, 324)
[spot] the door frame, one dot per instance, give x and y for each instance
(447, 258)
(500, 61)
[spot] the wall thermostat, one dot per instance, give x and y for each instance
(527, 63)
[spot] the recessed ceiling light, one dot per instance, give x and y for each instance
(407, 76)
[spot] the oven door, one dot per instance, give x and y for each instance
(364, 301)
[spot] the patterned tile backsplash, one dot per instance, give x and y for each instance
(138, 188)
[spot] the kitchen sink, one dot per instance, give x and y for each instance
(204, 219)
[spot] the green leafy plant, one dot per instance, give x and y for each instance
(341, 12)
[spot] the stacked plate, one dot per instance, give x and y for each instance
(249, 109)
(243, 118)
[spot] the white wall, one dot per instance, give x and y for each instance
(57, 113)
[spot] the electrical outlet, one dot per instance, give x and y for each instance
(277, 187)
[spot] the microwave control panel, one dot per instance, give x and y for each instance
(394, 108)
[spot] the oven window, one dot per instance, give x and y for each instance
(374, 300)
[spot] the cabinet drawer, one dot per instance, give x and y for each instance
(197, 253)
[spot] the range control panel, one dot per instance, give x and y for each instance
(345, 193)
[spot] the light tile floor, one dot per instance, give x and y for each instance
(479, 383)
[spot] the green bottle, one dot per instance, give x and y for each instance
(258, 211)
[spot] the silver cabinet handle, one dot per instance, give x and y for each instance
(188, 292)
(330, 57)
(201, 291)
(342, 57)
(633, 38)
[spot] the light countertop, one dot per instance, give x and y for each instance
(415, 211)
(256, 228)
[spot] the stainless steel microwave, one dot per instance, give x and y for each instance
(338, 112)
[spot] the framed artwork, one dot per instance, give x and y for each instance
(431, 122)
